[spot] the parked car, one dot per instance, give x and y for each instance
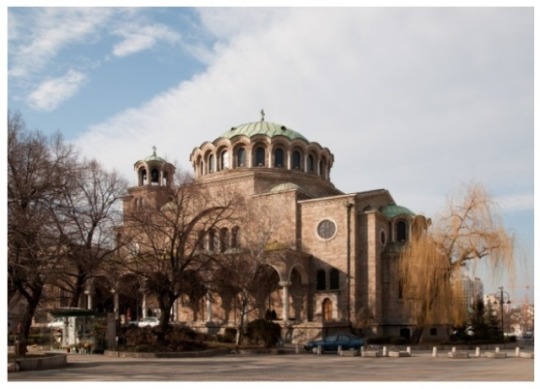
(332, 342)
(56, 323)
(148, 322)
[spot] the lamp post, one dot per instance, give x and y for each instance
(501, 302)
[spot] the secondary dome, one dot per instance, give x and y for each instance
(393, 210)
(262, 127)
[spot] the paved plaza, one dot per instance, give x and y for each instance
(421, 366)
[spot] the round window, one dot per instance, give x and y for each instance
(326, 229)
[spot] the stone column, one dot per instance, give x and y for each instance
(175, 311)
(208, 307)
(88, 294)
(116, 305)
(285, 285)
(143, 305)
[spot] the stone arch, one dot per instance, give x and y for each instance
(297, 160)
(327, 310)
(130, 297)
(279, 155)
(223, 158)
(401, 230)
(267, 294)
(103, 296)
(297, 294)
(259, 155)
(240, 156)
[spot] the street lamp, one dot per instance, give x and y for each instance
(501, 302)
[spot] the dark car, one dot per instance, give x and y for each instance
(332, 343)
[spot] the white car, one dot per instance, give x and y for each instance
(148, 322)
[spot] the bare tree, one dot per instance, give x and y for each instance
(87, 216)
(38, 171)
(166, 243)
(244, 273)
(468, 234)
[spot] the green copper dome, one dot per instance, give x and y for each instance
(393, 210)
(263, 128)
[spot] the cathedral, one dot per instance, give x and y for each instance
(333, 255)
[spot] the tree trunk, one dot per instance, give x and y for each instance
(240, 330)
(23, 328)
(417, 335)
(165, 304)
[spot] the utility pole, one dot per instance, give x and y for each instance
(501, 303)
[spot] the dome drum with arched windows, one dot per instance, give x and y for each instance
(262, 145)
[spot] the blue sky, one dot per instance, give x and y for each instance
(415, 100)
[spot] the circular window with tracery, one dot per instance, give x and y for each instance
(326, 229)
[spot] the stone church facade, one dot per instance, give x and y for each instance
(334, 254)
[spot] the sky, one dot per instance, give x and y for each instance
(419, 101)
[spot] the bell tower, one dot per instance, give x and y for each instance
(154, 179)
(154, 170)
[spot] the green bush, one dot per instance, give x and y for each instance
(263, 331)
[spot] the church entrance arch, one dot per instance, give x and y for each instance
(103, 298)
(327, 309)
(266, 292)
(130, 298)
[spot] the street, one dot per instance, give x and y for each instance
(421, 366)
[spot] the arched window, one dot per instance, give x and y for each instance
(259, 156)
(296, 162)
(401, 231)
(311, 164)
(224, 160)
(278, 157)
(211, 163)
(155, 175)
(200, 240)
(142, 177)
(334, 279)
(212, 240)
(321, 280)
(223, 240)
(241, 157)
(235, 237)
(322, 167)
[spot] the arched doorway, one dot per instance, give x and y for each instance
(130, 298)
(327, 309)
(266, 292)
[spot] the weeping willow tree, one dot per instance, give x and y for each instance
(468, 235)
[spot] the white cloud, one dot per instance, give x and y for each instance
(54, 91)
(138, 38)
(515, 202)
(38, 36)
(417, 101)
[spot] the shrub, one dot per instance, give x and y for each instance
(229, 336)
(263, 331)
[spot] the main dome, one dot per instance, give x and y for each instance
(262, 127)
(262, 145)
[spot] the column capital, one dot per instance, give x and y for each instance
(285, 284)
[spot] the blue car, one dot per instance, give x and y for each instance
(332, 342)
